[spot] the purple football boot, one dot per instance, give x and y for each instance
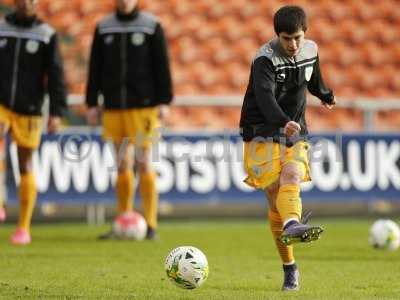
(291, 278)
(295, 232)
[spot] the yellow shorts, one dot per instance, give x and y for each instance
(138, 126)
(25, 130)
(263, 162)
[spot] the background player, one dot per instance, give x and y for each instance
(30, 63)
(129, 65)
(274, 129)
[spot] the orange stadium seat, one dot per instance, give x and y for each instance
(322, 31)
(387, 121)
(333, 77)
(319, 119)
(212, 43)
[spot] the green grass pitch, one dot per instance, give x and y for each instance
(65, 261)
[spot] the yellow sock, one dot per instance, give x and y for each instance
(27, 199)
(124, 189)
(149, 195)
(275, 223)
(288, 202)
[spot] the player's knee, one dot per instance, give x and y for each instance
(25, 159)
(25, 167)
(143, 167)
(272, 193)
(290, 176)
(142, 161)
(25, 164)
(124, 165)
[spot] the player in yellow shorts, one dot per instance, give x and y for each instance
(265, 160)
(30, 64)
(129, 65)
(139, 126)
(274, 130)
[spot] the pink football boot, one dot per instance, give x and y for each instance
(21, 237)
(3, 214)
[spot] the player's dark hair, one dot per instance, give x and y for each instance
(290, 19)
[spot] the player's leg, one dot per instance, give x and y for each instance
(288, 201)
(148, 189)
(276, 225)
(144, 129)
(125, 179)
(26, 132)
(124, 186)
(290, 208)
(114, 132)
(27, 195)
(291, 273)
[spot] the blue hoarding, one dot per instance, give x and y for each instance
(200, 168)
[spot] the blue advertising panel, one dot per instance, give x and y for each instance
(201, 168)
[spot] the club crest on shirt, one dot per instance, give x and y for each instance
(108, 39)
(308, 72)
(257, 170)
(32, 46)
(3, 42)
(137, 38)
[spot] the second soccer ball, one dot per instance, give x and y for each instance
(130, 225)
(385, 234)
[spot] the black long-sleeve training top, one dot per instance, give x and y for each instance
(276, 93)
(30, 65)
(129, 62)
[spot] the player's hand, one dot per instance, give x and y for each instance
(164, 112)
(291, 128)
(92, 116)
(329, 105)
(53, 124)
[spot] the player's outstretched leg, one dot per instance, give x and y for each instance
(291, 277)
(289, 206)
(300, 232)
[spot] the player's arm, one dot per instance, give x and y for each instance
(161, 68)
(94, 79)
(264, 89)
(56, 84)
(317, 87)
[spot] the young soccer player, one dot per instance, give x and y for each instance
(274, 130)
(129, 65)
(30, 63)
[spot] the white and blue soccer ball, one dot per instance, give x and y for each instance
(187, 267)
(384, 234)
